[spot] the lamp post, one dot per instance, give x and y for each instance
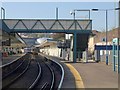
(118, 39)
(106, 27)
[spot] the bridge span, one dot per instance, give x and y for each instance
(81, 28)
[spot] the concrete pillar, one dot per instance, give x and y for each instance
(63, 53)
(97, 55)
(85, 56)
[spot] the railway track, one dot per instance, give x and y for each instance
(29, 79)
(33, 74)
(15, 74)
(8, 68)
(47, 79)
(55, 69)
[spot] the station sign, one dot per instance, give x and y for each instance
(115, 41)
(6, 42)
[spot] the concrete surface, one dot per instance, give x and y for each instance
(97, 75)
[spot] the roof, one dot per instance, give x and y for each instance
(47, 43)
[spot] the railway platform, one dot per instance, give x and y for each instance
(11, 58)
(97, 75)
(91, 75)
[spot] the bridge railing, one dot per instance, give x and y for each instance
(44, 24)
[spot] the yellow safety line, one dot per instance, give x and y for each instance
(78, 79)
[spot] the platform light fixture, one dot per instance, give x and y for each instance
(73, 12)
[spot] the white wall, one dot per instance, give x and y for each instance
(91, 45)
(53, 50)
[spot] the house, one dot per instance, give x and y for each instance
(99, 38)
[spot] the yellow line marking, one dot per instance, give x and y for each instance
(78, 79)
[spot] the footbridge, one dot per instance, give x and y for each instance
(81, 28)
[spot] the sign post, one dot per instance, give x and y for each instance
(116, 60)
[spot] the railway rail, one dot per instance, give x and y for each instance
(30, 74)
(12, 66)
(47, 79)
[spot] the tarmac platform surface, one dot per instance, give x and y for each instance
(97, 75)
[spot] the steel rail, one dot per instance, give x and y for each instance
(38, 77)
(62, 69)
(44, 86)
(17, 76)
(53, 76)
(13, 70)
(61, 81)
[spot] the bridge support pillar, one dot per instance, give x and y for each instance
(74, 47)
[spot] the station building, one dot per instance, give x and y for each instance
(62, 46)
(11, 44)
(97, 44)
(52, 47)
